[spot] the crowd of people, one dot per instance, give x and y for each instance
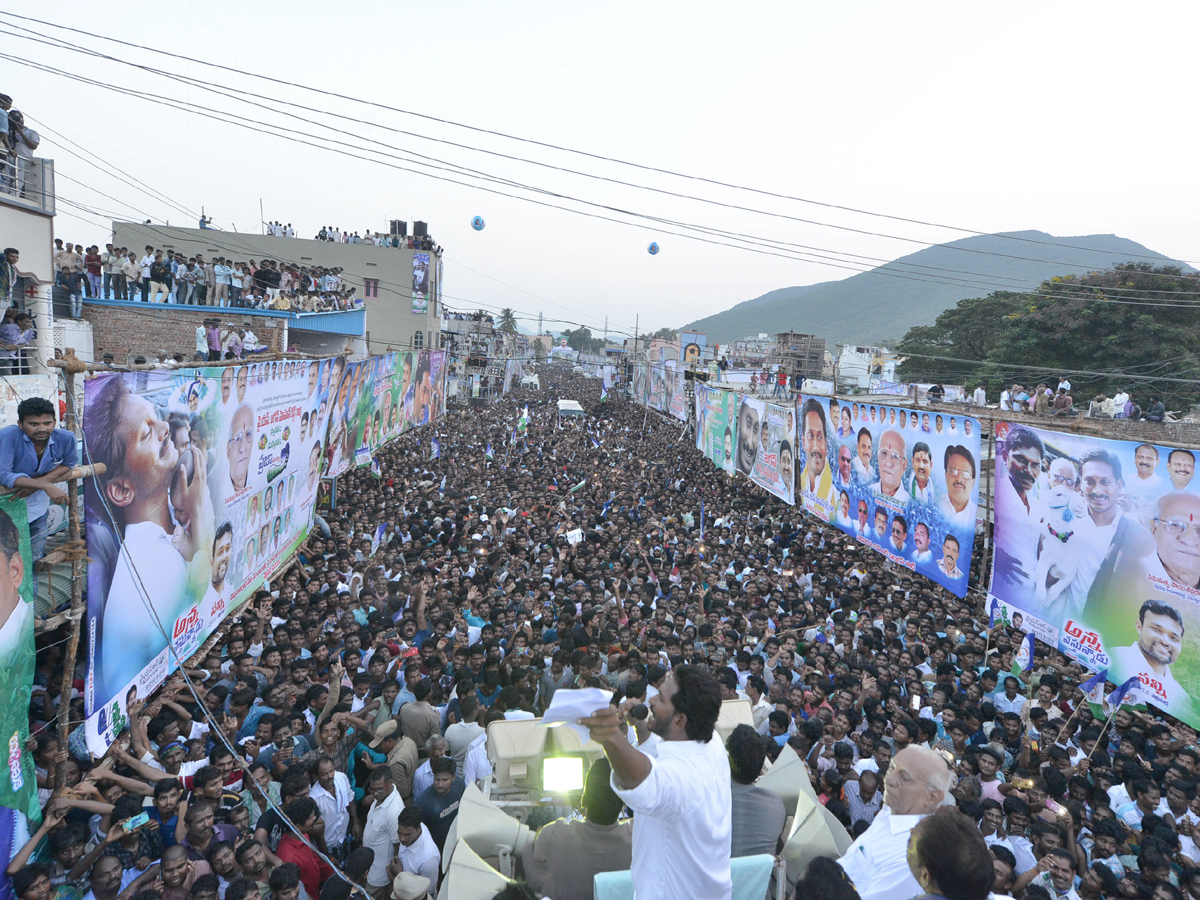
(378, 238)
(353, 695)
(160, 276)
(18, 140)
(1058, 401)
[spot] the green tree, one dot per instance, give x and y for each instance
(539, 352)
(507, 321)
(581, 340)
(666, 334)
(1129, 324)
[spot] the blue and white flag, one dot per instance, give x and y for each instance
(488, 453)
(375, 470)
(702, 523)
(1023, 661)
(436, 451)
(380, 530)
(603, 393)
(594, 440)
(1093, 688)
(1114, 700)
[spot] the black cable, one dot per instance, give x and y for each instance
(551, 146)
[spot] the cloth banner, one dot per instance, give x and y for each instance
(211, 484)
(716, 424)
(1098, 546)
(677, 402)
(380, 398)
(766, 446)
(904, 483)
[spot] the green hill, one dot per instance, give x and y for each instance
(884, 303)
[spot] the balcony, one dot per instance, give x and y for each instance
(38, 194)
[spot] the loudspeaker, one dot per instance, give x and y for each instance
(420, 229)
(733, 713)
(399, 227)
(485, 828)
(468, 877)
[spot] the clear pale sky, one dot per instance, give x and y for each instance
(1069, 118)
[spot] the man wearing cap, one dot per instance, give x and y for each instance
(402, 757)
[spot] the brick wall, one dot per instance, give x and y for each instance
(127, 333)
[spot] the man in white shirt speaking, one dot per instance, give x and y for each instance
(917, 781)
(682, 828)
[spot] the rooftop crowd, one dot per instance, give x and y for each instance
(378, 238)
(158, 276)
(357, 690)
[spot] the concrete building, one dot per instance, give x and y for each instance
(799, 354)
(27, 226)
(856, 366)
(382, 276)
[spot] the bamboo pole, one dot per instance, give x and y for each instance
(71, 421)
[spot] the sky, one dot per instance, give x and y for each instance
(1064, 117)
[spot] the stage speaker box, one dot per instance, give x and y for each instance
(420, 229)
(399, 227)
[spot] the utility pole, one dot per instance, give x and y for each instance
(606, 331)
(539, 323)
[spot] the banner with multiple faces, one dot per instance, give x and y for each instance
(716, 424)
(211, 481)
(380, 398)
(1097, 548)
(677, 398)
(766, 446)
(904, 482)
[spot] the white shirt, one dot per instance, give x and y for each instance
(380, 835)
(422, 858)
(683, 824)
(901, 495)
(980, 396)
(422, 779)
(477, 768)
(877, 862)
(12, 631)
(1161, 690)
(149, 571)
(333, 808)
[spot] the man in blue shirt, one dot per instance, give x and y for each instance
(34, 457)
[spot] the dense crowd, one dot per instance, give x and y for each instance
(378, 238)
(168, 277)
(1045, 400)
(354, 694)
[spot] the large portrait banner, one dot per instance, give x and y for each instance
(902, 481)
(766, 446)
(211, 482)
(1100, 539)
(716, 424)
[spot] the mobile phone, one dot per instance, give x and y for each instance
(136, 822)
(916, 702)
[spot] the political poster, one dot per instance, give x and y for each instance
(421, 279)
(903, 481)
(641, 383)
(716, 424)
(660, 387)
(766, 446)
(677, 385)
(1102, 539)
(378, 399)
(18, 792)
(210, 485)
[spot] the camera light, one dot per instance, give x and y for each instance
(562, 774)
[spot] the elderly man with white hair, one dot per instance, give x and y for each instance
(918, 781)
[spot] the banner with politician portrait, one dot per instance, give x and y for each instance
(716, 424)
(378, 399)
(903, 481)
(766, 446)
(676, 391)
(211, 482)
(1102, 538)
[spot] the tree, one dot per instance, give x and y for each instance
(539, 352)
(508, 321)
(665, 334)
(581, 340)
(1122, 323)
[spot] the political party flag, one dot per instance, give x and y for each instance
(442, 486)
(380, 529)
(512, 438)
(375, 470)
(1023, 661)
(577, 487)
(436, 451)
(604, 509)
(488, 453)
(523, 422)
(1114, 700)
(702, 522)
(603, 394)
(1093, 688)
(594, 440)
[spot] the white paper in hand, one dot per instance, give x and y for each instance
(575, 536)
(568, 706)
